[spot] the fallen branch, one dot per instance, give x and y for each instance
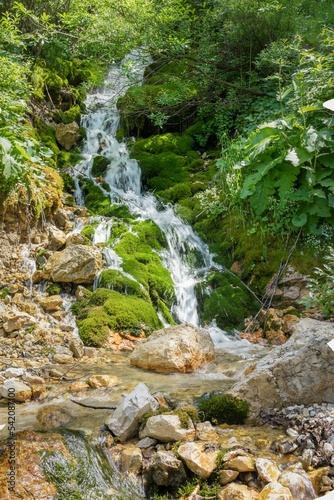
(92, 406)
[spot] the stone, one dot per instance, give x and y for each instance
(17, 320)
(33, 379)
(146, 443)
(97, 381)
(167, 470)
(316, 477)
(131, 460)
(77, 347)
(299, 372)
(67, 134)
(236, 491)
(76, 239)
(52, 303)
(241, 464)
(267, 470)
(299, 484)
(275, 491)
(56, 239)
(90, 352)
(79, 386)
(21, 392)
(75, 264)
(124, 421)
(181, 348)
(53, 416)
(14, 372)
(199, 457)
(167, 428)
(227, 476)
(205, 432)
(62, 358)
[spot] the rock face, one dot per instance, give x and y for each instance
(21, 392)
(200, 458)
(182, 348)
(299, 372)
(124, 421)
(67, 134)
(167, 428)
(75, 264)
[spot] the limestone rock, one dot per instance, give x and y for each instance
(16, 320)
(67, 134)
(316, 477)
(13, 372)
(75, 264)
(131, 460)
(227, 476)
(77, 347)
(21, 392)
(241, 464)
(167, 470)
(53, 416)
(299, 484)
(97, 381)
(275, 491)
(199, 457)
(56, 238)
(124, 421)
(90, 352)
(205, 432)
(63, 358)
(267, 470)
(167, 428)
(33, 379)
(52, 303)
(79, 386)
(299, 372)
(76, 239)
(236, 491)
(181, 348)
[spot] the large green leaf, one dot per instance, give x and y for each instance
(299, 220)
(327, 160)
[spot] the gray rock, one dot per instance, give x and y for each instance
(167, 428)
(299, 483)
(124, 421)
(75, 264)
(300, 371)
(16, 390)
(167, 470)
(181, 348)
(146, 443)
(76, 346)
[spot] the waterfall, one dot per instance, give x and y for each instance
(123, 176)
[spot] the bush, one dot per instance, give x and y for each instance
(224, 408)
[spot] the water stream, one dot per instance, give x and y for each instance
(123, 175)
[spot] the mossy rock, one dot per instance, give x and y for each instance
(88, 232)
(96, 202)
(53, 289)
(151, 234)
(179, 144)
(228, 302)
(71, 115)
(115, 280)
(94, 329)
(100, 165)
(177, 192)
(223, 408)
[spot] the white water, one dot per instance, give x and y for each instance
(124, 178)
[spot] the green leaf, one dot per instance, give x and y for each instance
(261, 198)
(327, 160)
(299, 220)
(285, 182)
(331, 200)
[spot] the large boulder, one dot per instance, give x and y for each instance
(124, 421)
(299, 372)
(167, 428)
(67, 134)
(199, 457)
(167, 470)
(182, 348)
(75, 264)
(16, 390)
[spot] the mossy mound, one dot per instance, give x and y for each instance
(100, 164)
(88, 232)
(107, 311)
(228, 302)
(179, 144)
(223, 408)
(115, 280)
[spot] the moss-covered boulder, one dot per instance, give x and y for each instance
(108, 311)
(115, 280)
(100, 164)
(228, 301)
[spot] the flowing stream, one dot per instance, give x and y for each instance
(123, 175)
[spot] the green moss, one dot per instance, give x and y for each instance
(179, 144)
(53, 289)
(71, 115)
(176, 193)
(100, 164)
(96, 202)
(68, 158)
(228, 302)
(88, 232)
(117, 230)
(224, 408)
(151, 234)
(94, 329)
(165, 312)
(115, 280)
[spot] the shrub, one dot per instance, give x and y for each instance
(224, 408)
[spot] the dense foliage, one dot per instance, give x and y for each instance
(223, 408)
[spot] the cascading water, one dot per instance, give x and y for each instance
(123, 175)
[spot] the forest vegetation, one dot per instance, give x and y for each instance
(229, 120)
